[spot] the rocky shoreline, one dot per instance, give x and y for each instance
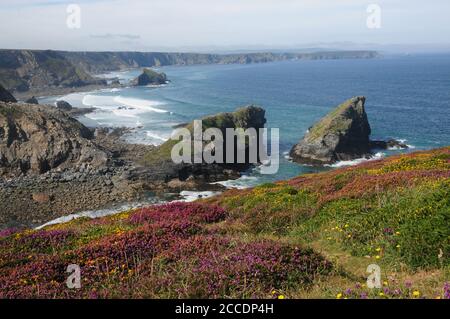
(51, 165)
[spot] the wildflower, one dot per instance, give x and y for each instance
(397, 233)
(385, 283)
(381, 294)
(363, 295)
(416, 294)
(408, 284)
(349, 236)
(280, 297)
(398, 246)
(339, 296)
(346, 226)
(378, 249)
(377, 257)
(274, 292)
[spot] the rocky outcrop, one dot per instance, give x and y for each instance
(343, 134)
(35, 139)
(5, 96)
(150, 77)
(63, 106)
(161, 166)
(32, 100)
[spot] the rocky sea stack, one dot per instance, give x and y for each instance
(150, 77)
(343, 134)
(162, 166)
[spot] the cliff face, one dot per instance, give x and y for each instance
(21, 70)
(343, 134)
(35, 139)
(5, 96)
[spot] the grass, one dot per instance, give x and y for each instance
(309, 237)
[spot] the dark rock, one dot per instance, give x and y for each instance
(32, 100)
(389, 144)
(150, 77)
(343, 134)
(63, 106)
(5, 96)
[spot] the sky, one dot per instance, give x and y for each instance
(224, 25)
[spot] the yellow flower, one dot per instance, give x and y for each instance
(438, 297)
(274, 292)
(378, 249)
(385, 283)
(377, 257)
(346, 226)
(381, 294)
(397, 233)
(339, 296)
(416, 293)
(280, 297)
(349, 236)
(398, 246)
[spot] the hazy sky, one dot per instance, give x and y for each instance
(217, 24)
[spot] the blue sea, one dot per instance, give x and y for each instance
(408, 98)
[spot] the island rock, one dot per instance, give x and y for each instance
(342, 135)
(150, 77)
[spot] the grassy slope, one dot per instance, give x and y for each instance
(312, 236)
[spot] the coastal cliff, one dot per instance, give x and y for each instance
(46, 156)
(6, 96)
(38, 71)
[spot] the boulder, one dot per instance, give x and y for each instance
(5, 96)
(41, 197)
(63, 106)
(150, 77)
(32, 100)
(343, 134)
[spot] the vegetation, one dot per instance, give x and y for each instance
(311, 236)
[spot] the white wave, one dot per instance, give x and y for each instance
(155, 136)
(93, 214)
(114, 90)
(403, 141)
(144, 105)
(100, 101)
(242, 182)
(357, 161)
(190, 196)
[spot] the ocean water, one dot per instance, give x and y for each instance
(408, 98)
